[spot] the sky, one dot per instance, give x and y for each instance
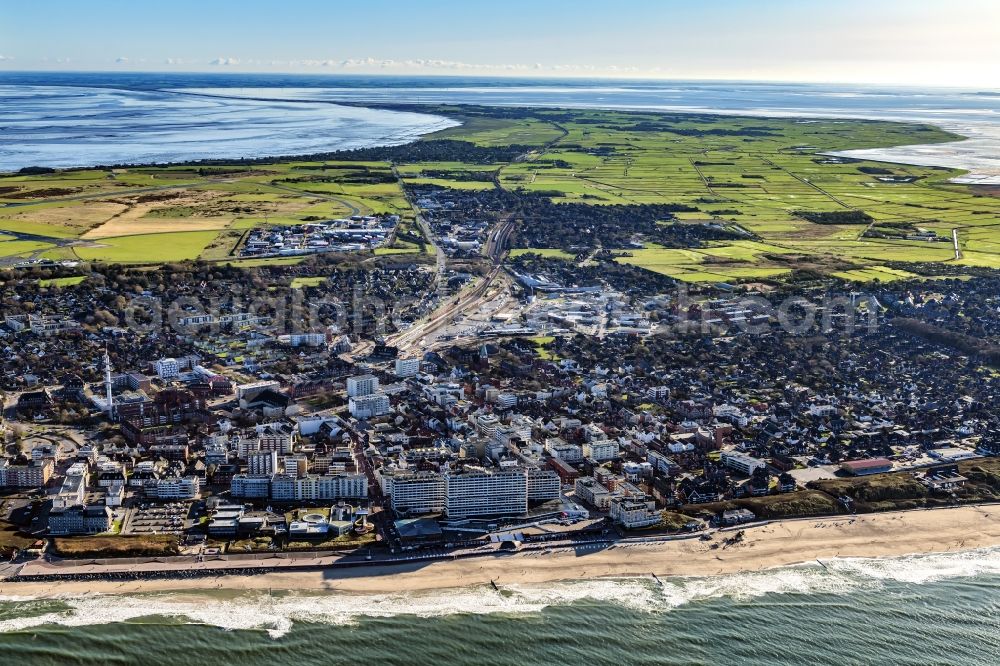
(906, 42)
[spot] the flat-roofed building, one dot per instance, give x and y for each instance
(79, 519)
(361, 385)
(866, 467)
(287, 488)
(407, 367)
(589, 490)
(741, 462)
(415, 493)
(476, 492)
(601, 450)
(369, 406)
(173, 488)
(250, 487)
(544, 484)
(33, 475)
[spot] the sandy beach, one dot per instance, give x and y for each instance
(767, 546)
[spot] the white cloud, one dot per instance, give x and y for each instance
(414, 65)
(121, 60)
(5, 58)
(446, 65)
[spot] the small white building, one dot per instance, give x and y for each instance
(167, 368)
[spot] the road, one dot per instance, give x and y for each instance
(319, 195)
(441, 258)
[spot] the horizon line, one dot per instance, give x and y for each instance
(505, 76)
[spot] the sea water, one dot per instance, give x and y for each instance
(922, 609)
(82, 119)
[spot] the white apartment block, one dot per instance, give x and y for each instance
(506, 400)
(407, 367)
(43, 451)
(285, 488)
(634, 511)
(188, 487)
(249, 487)
(275, 437)
(557, 447)
(543, 484)
(216, 454)
(480, 492)
(660, 462)
(416, 492)
(262, 463)
(361, 385)
(304, 339)
(167, 368)
(487, 424)
(601, 450)
(369, 406)
(253, 388)
(741, 462)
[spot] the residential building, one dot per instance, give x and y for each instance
(414, 493)
(543, 484)
(79, 519)
(250, 487)
(587, 489)
(476, 492)
(741, 462)
(407, 367)
(167, 368)
(262, 463)
(286, 488)
(634, 511)
(601, 450)
(173, 488)
(369, 405)
(361, 385)
(32, 475)
(560, 448)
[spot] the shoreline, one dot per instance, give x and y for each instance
(769, 546)
(906, 154)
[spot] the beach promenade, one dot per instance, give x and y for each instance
(761, 547)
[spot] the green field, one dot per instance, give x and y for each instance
(63, 281)
(547, 252)
(395, 250)
(872, 273)
(149, 248)
(186, 206)
(13, 248)
(756, 173)
(300, 282)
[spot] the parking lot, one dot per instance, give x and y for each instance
(156, 519)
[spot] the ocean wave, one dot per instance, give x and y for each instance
(277, 613)
(920, 569)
